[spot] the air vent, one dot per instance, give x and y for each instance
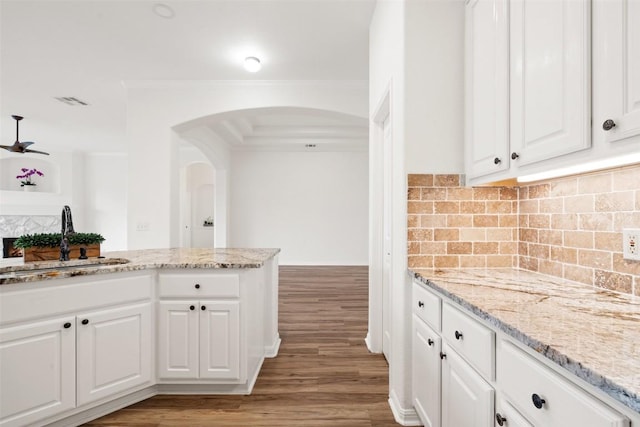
(70, 100)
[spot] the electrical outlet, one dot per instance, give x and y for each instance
(142, 226)
(631, 244)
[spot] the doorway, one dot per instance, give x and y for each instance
(197, 206)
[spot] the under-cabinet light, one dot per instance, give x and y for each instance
(627, 159)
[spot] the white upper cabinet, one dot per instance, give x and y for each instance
(616, 71)
(487, 86)
(550, 78)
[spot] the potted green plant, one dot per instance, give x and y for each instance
(46, 246)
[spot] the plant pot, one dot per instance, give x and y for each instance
(37, 253)
(28, 188)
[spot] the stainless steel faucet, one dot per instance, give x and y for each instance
(67, 229)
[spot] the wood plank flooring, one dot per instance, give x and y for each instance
(322, 376)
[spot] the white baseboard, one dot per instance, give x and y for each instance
(403, 416)
(272, 350)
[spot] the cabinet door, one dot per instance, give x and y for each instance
(114, 351)
(37, 371)
(220, 340)
(508, 416)
(426, 373)
(550, 78)
(486, 87)
(467, 399)
(178, 339)
(616, 69)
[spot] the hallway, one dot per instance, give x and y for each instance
(323, 375)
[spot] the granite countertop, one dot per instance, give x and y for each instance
(593, 333)
(142, 259)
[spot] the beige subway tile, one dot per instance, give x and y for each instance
(528, 206)
(509, 193)
(446, 207)
(601, 221)
(538, 191)
(459, 220)
(539, 251)
(434, 193)
(563, 187)
(413, 221)
(539, 221)
(578, 239)
(419, 234)
(615, 202)
(627, 178)
(551, 268)
(523, 220)
(595, 259)
(497, 261)
(528, 263)
(420, 207)
(508, 220)
(499, 207)
(420, 261)
(459, 193)
(552, 205)
(608, 241)
(523, 193)
(420, 180)
(486, 220)
(563, 255)
(626, 220)
(502, 234)
(578, 274)
(473, 234)
(508, 248)
(614, 281)
(447, 234)
(528, 235)
(636, 286)
(579, 204)
(413, 248)
(433, 248)
(473, 261)
(446, 180)
(472, 207)
(433, 220)
(486, 248)
(486, 193)
(446, 261)
(564, 221)
(625, 266)
(595, 183)
(550, 237)
(523, 248)
(638, 200)
(414, 193)
(458, 248)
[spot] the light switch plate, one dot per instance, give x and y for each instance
(631, 244)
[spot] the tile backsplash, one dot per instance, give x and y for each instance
(566, 227)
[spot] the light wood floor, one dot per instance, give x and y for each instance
(322, 376)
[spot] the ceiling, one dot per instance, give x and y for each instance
(89, 49)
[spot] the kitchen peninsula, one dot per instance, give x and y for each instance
(84, 338)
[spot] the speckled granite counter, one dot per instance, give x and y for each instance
(595, 334)
(137, 260)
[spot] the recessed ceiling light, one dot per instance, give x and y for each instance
(163, 11)
(252, 64)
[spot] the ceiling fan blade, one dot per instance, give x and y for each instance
(35, 151)
(13, 148)
(26, 144)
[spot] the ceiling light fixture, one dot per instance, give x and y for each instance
(252, 64)
(163, 11)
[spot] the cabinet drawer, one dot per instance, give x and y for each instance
(524, 379)
(473, 341)
(199, 285)
(426, 305)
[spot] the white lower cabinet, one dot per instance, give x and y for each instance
(37, 371)
(113, 351)
(427, 346)
(506, 415)
(199, 340)
(467, 399)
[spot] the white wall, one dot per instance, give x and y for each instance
(105, 199)
(312, 205)
(153, 110)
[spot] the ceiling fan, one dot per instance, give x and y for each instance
(20, 147)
